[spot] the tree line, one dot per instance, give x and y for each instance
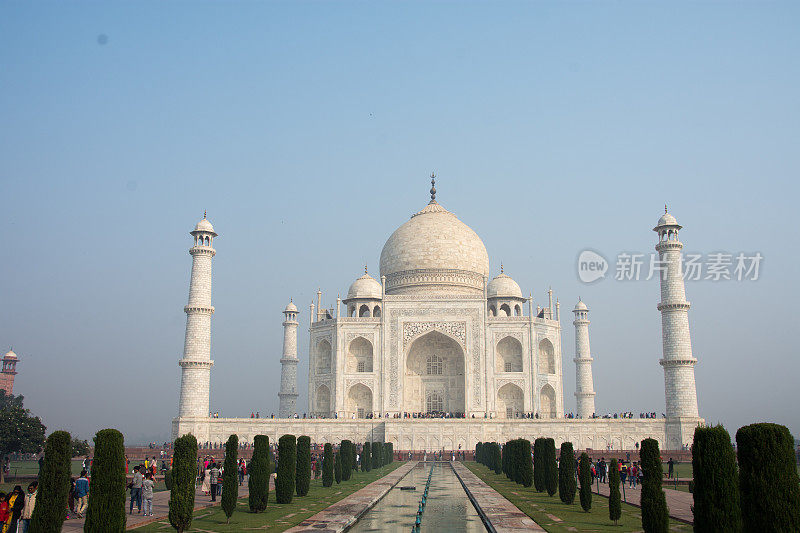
(754, 488)
(106, 511)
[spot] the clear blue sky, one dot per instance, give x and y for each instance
(308, 131)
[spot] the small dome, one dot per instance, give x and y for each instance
(291, 307)
(580, 306)
(204, 225)
(10, 355)
(365, 287)
(503, 287)
(667, 220)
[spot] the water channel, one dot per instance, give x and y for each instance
(448, 508)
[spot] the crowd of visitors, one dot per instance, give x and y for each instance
(16, 508)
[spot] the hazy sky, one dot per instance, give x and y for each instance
(308, 131)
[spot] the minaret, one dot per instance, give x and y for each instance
(196, 363)
(584, 384)
(288, 394)
(678, 362)
(8, 372)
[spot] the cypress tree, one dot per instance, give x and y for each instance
(585, 477)
(551, 466)
(496, 458)
(51, 498)
(230, 482)
(353, 460)
(716, 487)
(539, 468)
(376, 455)
(526, 466)
(168, 479)
(287, 468)
(259, 471)
(655, 515)
(478, 450)
(504, 459)
(337, 467)
(614, 501)
(347, 466)
(327, 466)
(303, 470)
(566, 474)
(768, 481)
(516, 461)
(181, 497)
(391, 452)
(366, 458)
(106, 512)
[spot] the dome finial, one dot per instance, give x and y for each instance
(501, 268)
(433, 188)
(665, 209)
(365, 269)
(204, 214)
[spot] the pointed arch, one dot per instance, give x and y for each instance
(547, 357)
(322, 401)
(359, 401)
(508, 355)
(323, 357)
(509, 401)
(359, 355)
(547, 402)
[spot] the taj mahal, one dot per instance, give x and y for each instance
(433, 354)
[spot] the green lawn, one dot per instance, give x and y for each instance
(553, 515)
(279, 517)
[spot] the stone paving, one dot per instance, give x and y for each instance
(502, 515)
(679, 502)
(160, 509)
(346, 512)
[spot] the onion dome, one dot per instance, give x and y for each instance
(365, 287)
(580, 306)
(503, 287)
(290, 307)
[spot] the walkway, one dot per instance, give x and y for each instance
(160, 509)
(347, 511)
(502, 515)
(679, 502)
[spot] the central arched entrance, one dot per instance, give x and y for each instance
(434, 378)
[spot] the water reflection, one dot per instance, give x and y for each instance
(448, 508)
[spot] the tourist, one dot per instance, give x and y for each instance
(136, 490)
(670, 468)
(3, 508)
(27, 511)
(16, 501)
(633, 475)
(147, 494)
(205, 478)
(81, 494)
(213, 476)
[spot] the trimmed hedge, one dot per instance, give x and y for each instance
(51, 499)
(479, 454)
(181, 497)
(106, 512)
(539, 467)
(716, 488)
(337, 467)
(551, 467)
(366, 458)
(377, 450)
(287, 469)
(585, 477)
(230, 481)
(614, 500)
(259, 473)
(526, 463)
(303, 471)
(768, 481)
(327, 465)
(655, 515)
(347, 457)
(567, 485)
(496, 459)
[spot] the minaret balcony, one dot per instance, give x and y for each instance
(673, 306)
(199, 309)
(191, 363)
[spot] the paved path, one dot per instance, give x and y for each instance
(679, 502)
(160, 509)
(497, 512)
(347, 511)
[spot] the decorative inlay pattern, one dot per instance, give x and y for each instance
(350, 336)
(368, 382)
(500, 335)
(505, 381)
(457, 330)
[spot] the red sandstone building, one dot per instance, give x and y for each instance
(8, 372)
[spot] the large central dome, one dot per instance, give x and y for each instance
(434, 252)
